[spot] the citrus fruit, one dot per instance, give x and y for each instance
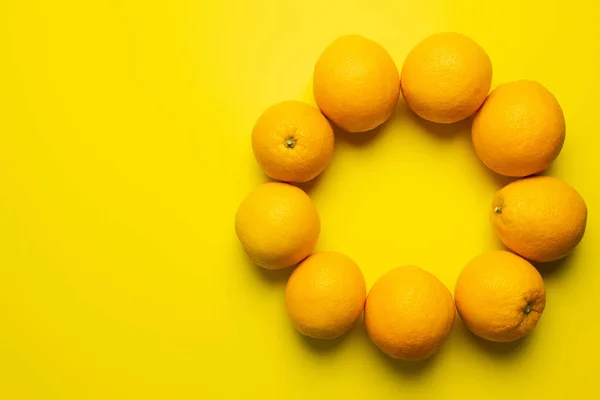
(409, 313)
(278, 225)
(292, 142)
(325, 295)
(356, 83)
(519, 130)
(500, 296)
(541, 218)
(446, 77)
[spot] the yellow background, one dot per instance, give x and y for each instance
(124, 153)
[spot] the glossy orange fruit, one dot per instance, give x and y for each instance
(292, 142)
(356, 83)
(500, 296)
(325, 295)
(446, 77)
(409, 313)
(519, 130)
(278, 225)
(542, 218)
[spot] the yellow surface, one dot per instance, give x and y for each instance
(125, 150)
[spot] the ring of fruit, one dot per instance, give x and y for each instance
(518, 130)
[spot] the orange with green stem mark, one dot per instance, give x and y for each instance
(500, 296)
(292, 142)
(541, 218)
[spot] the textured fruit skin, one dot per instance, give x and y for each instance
(356, 83)
(446, 77)
(409, 313)
(500, 296)
(541, 218)
(278, 225)
(325, 295)
(519, 130)
(292, 142)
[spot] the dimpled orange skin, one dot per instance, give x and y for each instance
(446, 77)
(278, 225)
(500, 296)
(356, 83)
(325, 295)
(541, 218)
(409, 313)
(292, 142)
(519, 130)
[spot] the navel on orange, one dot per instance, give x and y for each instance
(278, 225)
(541, 218)
(292, 142)
(356, 83)
(519, 130)
(500, 296)
(325, 295)
(409, 313)
(446, 77)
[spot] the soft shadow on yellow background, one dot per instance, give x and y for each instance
(124, 152)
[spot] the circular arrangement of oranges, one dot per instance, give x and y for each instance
(518, 130)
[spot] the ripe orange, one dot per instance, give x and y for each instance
(500, 296)
(325, 295)
(409, 313)
(356, 83)
(541, 218)
(292, 142)
(278, 225)
(519, 130)
(446, 77)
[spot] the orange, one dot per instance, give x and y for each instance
(292, 142)
(409, 313)
(541, 218)
(356, 83)
(446, 77)
(325, 295)
(500, 296)
(278, 225)
(519, 130)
